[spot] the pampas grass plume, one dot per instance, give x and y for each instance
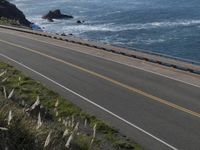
(11, 94)
(37, 102)
(39, 121)
(48, 139)
(4, 91)
(10, 117)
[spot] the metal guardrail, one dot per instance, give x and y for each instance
(100, 47)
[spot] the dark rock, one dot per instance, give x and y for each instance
(63, 34)
(10, 11)
(79, 22)
(36, 27)
(50, 20)
(56, 14)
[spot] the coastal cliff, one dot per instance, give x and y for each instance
(10, 13)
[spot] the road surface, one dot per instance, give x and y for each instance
(156, 111)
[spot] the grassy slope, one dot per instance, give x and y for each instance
(26, 91)
(5, 21)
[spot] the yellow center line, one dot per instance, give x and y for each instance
(132, 89)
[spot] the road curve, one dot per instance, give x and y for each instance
(156, 111)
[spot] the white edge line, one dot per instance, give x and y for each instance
(159, 74)
(91, 102)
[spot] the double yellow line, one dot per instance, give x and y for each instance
(132, 89)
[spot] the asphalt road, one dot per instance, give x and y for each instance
(157, 112)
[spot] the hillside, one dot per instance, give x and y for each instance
(10, 14)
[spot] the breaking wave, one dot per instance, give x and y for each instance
(167, 27)
(116, 28)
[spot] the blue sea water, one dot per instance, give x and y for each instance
(170, 27)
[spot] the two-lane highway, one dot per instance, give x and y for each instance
(157, 112)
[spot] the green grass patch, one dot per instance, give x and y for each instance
(26, 92)
(5, 21)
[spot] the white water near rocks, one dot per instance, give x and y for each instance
(162, 26)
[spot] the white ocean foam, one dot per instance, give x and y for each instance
(154, 25)
(70, 26)
(85, 28)
(152, 41)
(98, 25)
(116, 28)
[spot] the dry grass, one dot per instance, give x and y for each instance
(38, 118)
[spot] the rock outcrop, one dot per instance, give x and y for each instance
(80, 22)
(10, 11)
(56, 14)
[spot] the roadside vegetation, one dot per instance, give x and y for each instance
(33, 118)
(5, 21)
(11, 15)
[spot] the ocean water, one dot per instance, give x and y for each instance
(170, 27)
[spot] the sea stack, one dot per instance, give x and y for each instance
(56, 14)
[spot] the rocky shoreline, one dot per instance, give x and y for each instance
(11, 15)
